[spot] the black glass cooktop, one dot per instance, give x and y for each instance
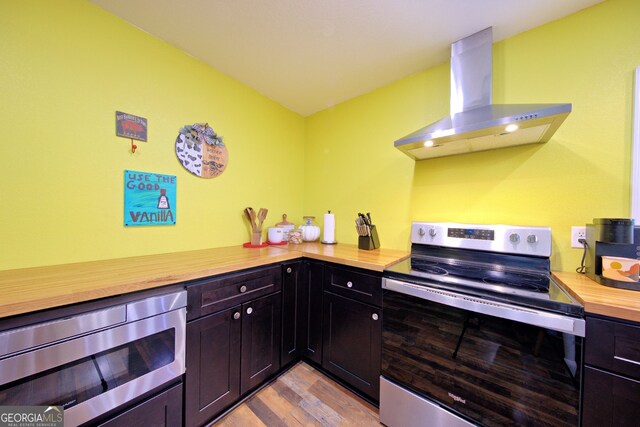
(529, 285)
(490, 275)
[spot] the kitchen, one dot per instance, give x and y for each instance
(66, 71)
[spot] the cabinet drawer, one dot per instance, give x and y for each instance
(613, 346)
(217, 293)
(354, 284)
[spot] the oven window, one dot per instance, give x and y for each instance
(493, 371)
(78, 381)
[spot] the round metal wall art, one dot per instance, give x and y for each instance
(201, 151)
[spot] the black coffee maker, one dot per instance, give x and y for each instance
(611, 237)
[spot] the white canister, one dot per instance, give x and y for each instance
(275, 234)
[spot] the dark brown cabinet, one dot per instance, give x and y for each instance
(610, 400)
(234, 349)
(213, 365)
(353, 329)
(162, 410)
(310, 308)
(611, 393)
(260, 341)
(242, 327)
(291, 313)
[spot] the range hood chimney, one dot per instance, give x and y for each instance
(475, 124)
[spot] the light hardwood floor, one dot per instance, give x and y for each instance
(302, 397)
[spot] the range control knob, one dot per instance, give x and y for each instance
(532, 238)
(432, 232)
(420, 232)
(514, 237)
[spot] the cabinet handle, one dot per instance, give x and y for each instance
(374, 316)
(236, 315)
(349, 284)
(622, 359)
(243, 289)
(289, 270)
(249, 310)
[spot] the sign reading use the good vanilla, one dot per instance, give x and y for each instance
(149, 198)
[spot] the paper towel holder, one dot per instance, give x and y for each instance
(323, 241)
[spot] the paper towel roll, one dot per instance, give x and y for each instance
(329, 235)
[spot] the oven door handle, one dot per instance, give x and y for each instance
(556, 322)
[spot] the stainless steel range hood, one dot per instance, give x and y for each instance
(475, 124)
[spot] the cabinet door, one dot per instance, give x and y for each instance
(310, 305)
(213, 365)
(162, 410)
(352, 342)
(260, 340)
(291, 275)
(609, 400)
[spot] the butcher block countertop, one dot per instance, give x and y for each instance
(31, 289)
(376, 260)
(600, 299)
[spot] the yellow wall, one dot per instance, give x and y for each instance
(65, 68)
(587, 59)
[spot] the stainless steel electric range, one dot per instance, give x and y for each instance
(476, 331)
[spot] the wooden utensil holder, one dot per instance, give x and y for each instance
(256, 237)
(371, 242)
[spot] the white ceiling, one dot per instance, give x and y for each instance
(312, 54)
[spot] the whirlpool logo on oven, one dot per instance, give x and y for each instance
(457, 398)
(31, 416)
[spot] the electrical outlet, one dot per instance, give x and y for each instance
(576, 234)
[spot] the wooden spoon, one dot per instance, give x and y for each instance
(247, 215)
(262, 215)
(251, 216)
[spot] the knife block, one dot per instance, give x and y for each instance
(371, 242)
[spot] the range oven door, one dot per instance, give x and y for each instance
(113, 356)
(465, 365)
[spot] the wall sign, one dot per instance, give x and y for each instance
(149, 198)
(201, 151)
(130, 126)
